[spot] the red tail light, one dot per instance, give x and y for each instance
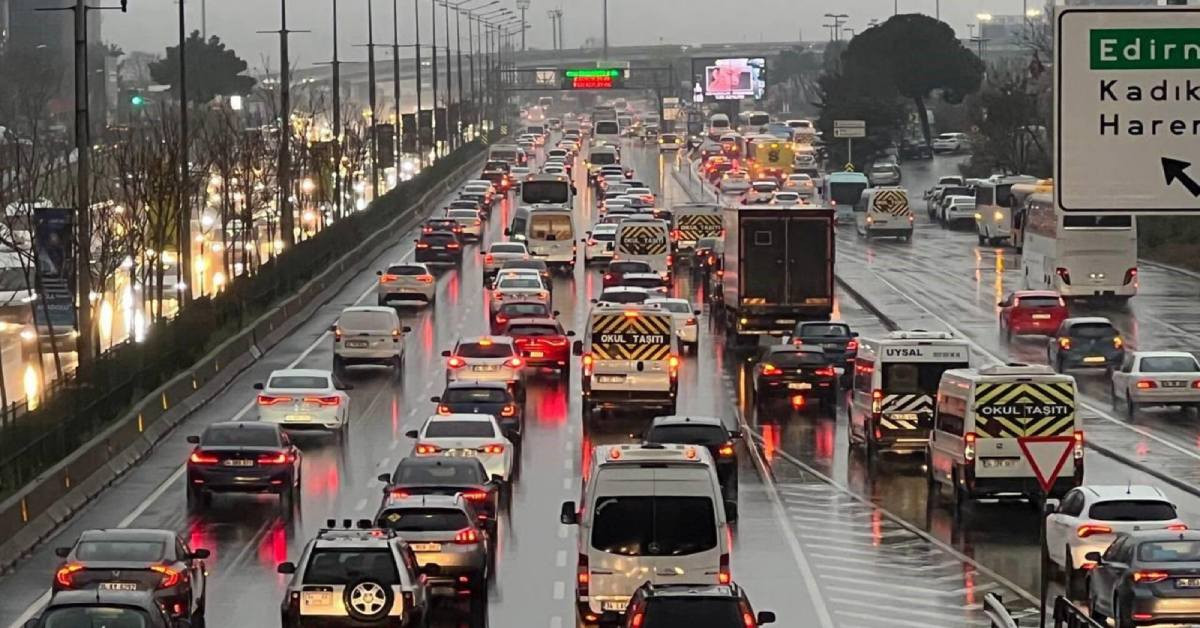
(607, 276)
(1118, 343)
(583, 577)
(852, 345)
(426, 448)
(1177, 527)
(515, 362)
(170, 577)
(489, 258)
(969, 450)
(723, 574)
(475, 496)
(494, 448)
(272, 400)
(638, 618)
(466, 536)
(1131, 276)
(587, 361)
(825, 371)
(199, 457)
(443, 409)
(1064, 343)
(508, 410)
(65, 576)
(422, 245)
(399, 494)
(1150, 577)
(673, 361)
(876, 401)
(1063, 274)
(330, 401)
(748, 620)
(453, 245)
(1078, 444)
(455, 362)
(798, 401)
(388, 278)
(1145, 384)
(281, 458)
(769, 369)
(726, 450)
(425, 278)
(1086, 530)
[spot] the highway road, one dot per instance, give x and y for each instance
(821, 541)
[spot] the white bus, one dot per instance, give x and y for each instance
(1079, 255)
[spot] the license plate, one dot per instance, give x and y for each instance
(297, 418)
(483, 368)
(800, 386)
(356, 344)
(833, 346)
(1094, 359)
(118, 586)
(426, 547)
(904, 416)
(318, 598)
(537, 354)
(238, 462)
(613, 605)
(1041, 317)
(460, 453)
(997, 463)
(610, 379)
(1173, 384)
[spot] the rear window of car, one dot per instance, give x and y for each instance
(610, 296)
(130, 551)
(99, 615)
(446, 473)
(240, 437)
(533, 330)
(475, 395)
(795, 358)
(824, 331)
(1036, 302)
(484, 350)
(675, 307)
(535, 264)
(462, 213)
(607, 235)
(764, 187)
(1178, 364)
(654, 525)
(508, 248)
(438, 238)
(688, 434)
(405, 270)
(1132, 510)
(604, 157)
(298, 381)
(460, 429)
(1093, 330)
(516, 310)
(644, 282)
(1169, 551)
(424, 519)
(520, 283)
(629, 267)
(366, 320)
(689, 612)
(344, 566)
(900, 378)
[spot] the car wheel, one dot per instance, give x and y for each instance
(1006, 331)
(1119, 616)
(1059, 365)
(1112, 395)
(398, 367)
(381, 301)
(1131, 408)
(1094, 609)
(1072, 578)
(197, 619)
(339, 366)
(982, 240)
(198, 498)
(367, 600)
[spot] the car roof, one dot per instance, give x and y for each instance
(1164, 535)
(470, 383)
(1035, 293)
(534, 320)
(129, 534)
(1088, 320)
(413, 264)
(1106, 492)
(244, 425)
(685, 419)
(644, 276)
(1163, 354)
(618, 289)
(496, 340)
(691, 590)
(667, 299)
(301, 373)
(427, 501)
(521, 264)
(461, 416)
(507, 243)
(369, 308)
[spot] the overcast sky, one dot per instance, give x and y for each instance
(150, 25)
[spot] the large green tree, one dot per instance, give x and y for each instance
(913, 54)
(212, 69)
(843, 98)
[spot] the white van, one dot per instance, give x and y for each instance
(981, 414)
(718, 125)
(550, 235)
(894, 388)
(607, 130)
(645, 239)
(648, 513)
(884, 211)
(629, 356)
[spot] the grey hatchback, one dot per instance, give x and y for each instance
(442, 530)
(1086, 342)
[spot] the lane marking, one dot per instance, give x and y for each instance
(560, 558)
(560, 590)
(556, 621)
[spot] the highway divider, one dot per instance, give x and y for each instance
(38, 508)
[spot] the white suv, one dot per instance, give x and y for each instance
(368, 334)
(487, 359)
(1090, 517)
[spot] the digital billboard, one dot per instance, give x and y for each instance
(730, 78)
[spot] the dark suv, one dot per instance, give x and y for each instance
(680, 605)
(439, 246)
(1088, 342)
(443, 475)
(838, 341)
(710, 433)
(494, 398)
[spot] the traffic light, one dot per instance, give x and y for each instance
(137, 100)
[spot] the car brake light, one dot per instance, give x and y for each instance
(453, 245)
(489, 258)
(170, 577)
(673, 361)
(199, 457)
(1064, 343)
(388, 278)
(475, 496)
(1150, 577)
(726, 450)
(969, 450)
(271, 400)
(65, 576)
(426, 448)
(514, 362)
(769, 369)
(638, 617)
(455, 362)
(825, 371)
(1087, 529)
(607, 276)
(876, 401)
(443, 409)
(422, 245)
(337, 334)
(466, 536)
(1078, 444)
(280, 458)
(1145, 384)
(330, 401)
(582, 576)
(1063, 274)
(586, 361)
(1117, 342)
(1196, 384)
(852, 345)
(1131, 276)
(508, 410)
(494, 448)
(723, 574)
(1177, 527)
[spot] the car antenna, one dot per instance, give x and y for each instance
(1128, 486)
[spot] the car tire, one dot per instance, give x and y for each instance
(198, 498)
(398, 367)
(1112, 395)
(1073, 580)
(1119, 618)
(339, 366)
(1131, 408)
(1006, 331)
(1059, 366)
(198, 620)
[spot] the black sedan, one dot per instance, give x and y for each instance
(438, 246)
(103, 608)
(494, 398)
(157, 561)
(838, 341)
(708, 432)
(1148, 577)
(442, 224)
(243, 457)
(443, 475)
(710, 606)
(800, 374)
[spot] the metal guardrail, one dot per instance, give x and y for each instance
(997, 613)
(1066, 614)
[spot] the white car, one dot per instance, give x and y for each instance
(466, 436)
(624, 294)
(499, 253)
(367, 334)
(558, 154)
(1156, 378)
(519, 286)
(950, 142)
(304, 399)
(1089, 518)
(800, 183)
(403, 281)
(957, 209)
(486, 359)
(642, 192)
(554, 168)
(687, 326)
(472, 223)
(886, 173)
(786, 198)
(598, 246)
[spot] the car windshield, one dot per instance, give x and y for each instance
(1093, 330)
(688, 434)
(450, 472)
(1170, 364)
(485, 349)
(366, 320)
(605, 235)
(342, 566)
(120, 551)
(475, 395)
(1132, 510)
(95, 617)
(676, 307)
(824, 331)
(910, 378)
(629, 267)
(623, 296)
(533, 330)
(602, 158)
(459, 429)
(1169, 551)
(764, 187)
(520, 283)
(689, 612)
(239, 436)
(406, 270)
(846, 193)
(424, 519)
(654, 525)
(299, 381)
(517, 310)
(508, 248)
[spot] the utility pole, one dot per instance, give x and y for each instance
(184, 270)
(371, 99)
(605, 30)
(450, 137)
(458, 59)
(396, 137)
(433, 121)
(337, 118)
(83, 191)
(523, 5)
(287, 221)
(417, 47)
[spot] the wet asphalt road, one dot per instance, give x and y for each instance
(821, 540)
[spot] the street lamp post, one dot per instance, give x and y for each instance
(450, 137)
(337, 117)
(371, 97)
(605, 30)
(838, 19)
(417, 47)
(433, 122)
(184, 270)
(523, 5)
(396, 137)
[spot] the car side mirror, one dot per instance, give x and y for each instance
(577, 348)
(258, 386)
(62, 552)
(1095, 557)
(406, 329)
(696, 312)
(386, 478)
(411, 433)
(379, 273)
(735, 434)
(1050, 507)
(333, 327)
(435, 399)
(497, 479)
(344, 387)
(195, 440)
(201, 553)
(555, 312)
(765, 617)
(431, 570)
(508, 232)
(568, 516)
(854, 334)
(446, 353)
(286, 568)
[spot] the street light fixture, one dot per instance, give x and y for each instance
(523, 5)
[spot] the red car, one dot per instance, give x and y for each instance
(614, 275)
(542, 343)
(1038, 312)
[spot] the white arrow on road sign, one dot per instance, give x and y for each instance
(1046, 455)
(849, 128)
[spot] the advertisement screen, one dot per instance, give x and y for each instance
(733, 79)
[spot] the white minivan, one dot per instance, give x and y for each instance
(550, 236)
(652, 513)
(644, 238)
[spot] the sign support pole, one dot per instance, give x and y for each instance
(1044, 566)
(850, 150)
